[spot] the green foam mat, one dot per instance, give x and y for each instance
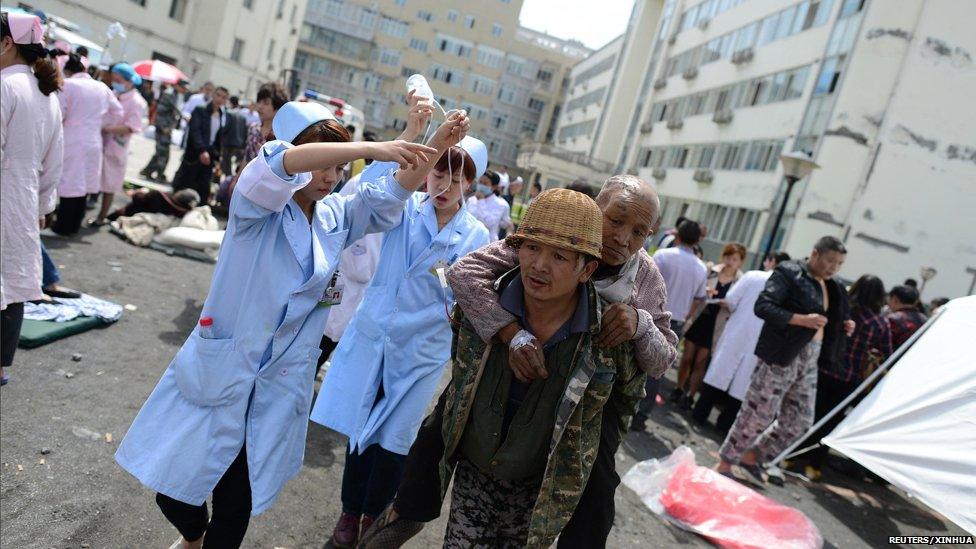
(35, 333)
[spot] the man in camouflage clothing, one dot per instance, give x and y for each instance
(167, 117)
(629, 280)
(520, 473)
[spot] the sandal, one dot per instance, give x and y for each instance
(5, 379)
(755, 471)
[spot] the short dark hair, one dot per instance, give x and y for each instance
(275, 92)
(867, 292)
(905, 293)
(829, 244)
(82, 51)
(537, 186)
(235, 101)
(581, 186)
(778, 257)
(493, 177)
(911, 282)
(371, 136)
(74, 64)
(223, 89)
(689, 232)
(939, 301)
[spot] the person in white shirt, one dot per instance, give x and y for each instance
(489, 208)
(503, 179)
(200, 98)
(685, 280)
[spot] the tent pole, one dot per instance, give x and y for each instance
(860, 388)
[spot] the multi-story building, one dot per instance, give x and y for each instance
(475, 56)
(238, 44)
(874, 90)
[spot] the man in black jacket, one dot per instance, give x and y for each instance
(807, 319)
(202, 146)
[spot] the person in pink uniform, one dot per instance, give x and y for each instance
(115, 153)
(30, 160)
(86, 106)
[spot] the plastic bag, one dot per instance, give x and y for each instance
(726, 512)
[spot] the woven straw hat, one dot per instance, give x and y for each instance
(565, 219)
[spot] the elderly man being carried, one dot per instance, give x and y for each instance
(627, 278)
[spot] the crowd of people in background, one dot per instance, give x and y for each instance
(410, 257)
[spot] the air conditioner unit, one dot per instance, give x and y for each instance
(703, 24)
(676, 123)
(743, 56)
(646, 127)
(659, 173)
(722, 116)
(703, 176)
(660, 83)
(690, 73)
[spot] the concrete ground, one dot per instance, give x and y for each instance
(75, 496)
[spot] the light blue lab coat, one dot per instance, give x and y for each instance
(400, 335)
(251, 381)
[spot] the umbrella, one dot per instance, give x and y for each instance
(154, 69)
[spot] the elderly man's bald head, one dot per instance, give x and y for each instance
(631, 211)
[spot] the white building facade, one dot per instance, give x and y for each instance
(238, 44)
(875, 90)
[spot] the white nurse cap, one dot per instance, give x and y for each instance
(478, 153)
(294, 116)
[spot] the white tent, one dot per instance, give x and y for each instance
(917, 428)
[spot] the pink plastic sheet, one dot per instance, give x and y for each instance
(724, 511)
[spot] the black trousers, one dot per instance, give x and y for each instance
(592, 521)
(11, 319)
(71, 212)
(419, 496)
(194, 175)
(370, 480)
(231, 510)
(708, 398)
(830, 392)
(326, 345)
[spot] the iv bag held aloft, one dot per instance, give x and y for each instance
(418, 84)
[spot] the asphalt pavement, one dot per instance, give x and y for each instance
(70, 403)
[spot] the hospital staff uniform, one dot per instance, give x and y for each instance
(31, 143)
(733, 360)
(86, 106)
(116, 147)
(243, 387)
(387, 365)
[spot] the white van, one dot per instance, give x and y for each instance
(346, 113)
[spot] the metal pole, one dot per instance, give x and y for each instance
(779, 217)
(785, 454)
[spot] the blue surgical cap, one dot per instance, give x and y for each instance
(126, 71)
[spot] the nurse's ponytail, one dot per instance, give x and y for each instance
(39, 59)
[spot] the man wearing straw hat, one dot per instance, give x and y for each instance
(628, 279)
(520, 451)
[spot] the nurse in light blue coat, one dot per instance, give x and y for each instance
(229, 415)
(387, 364)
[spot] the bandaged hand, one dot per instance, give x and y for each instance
(525, 356)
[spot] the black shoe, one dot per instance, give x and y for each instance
(676, 395)
(638, 423)
(686, 403)
(63, 294)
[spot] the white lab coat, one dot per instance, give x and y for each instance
(493, 211)
(250, 380)
(400, 336)
(734, 359)
(356, 267)
(31, 148)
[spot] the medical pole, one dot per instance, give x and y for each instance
(785, 454)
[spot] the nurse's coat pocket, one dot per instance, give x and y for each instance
(209, 372)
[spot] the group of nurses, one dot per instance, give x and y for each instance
(117, 133)
(87, 106)
(31, 142)
(386, 367)
(230, 414)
